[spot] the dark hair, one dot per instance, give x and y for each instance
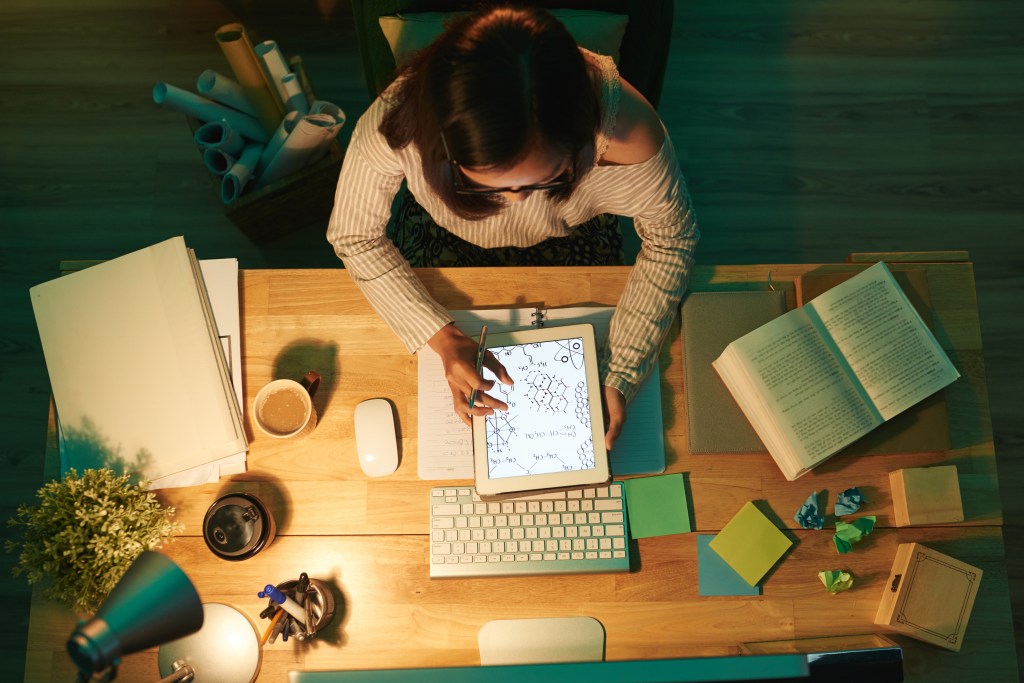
(498, 83)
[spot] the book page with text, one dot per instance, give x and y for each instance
(809, 395)
(886, 344)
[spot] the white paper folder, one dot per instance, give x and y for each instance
(136, 367)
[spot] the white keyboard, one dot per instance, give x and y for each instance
(568, 532)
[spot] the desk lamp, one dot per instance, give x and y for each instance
(225, 650)
(154, 602)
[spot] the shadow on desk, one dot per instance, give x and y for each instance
(304, 355)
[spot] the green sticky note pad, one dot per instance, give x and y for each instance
(657, 506)
(750, 544)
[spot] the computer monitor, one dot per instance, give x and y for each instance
(790, 667)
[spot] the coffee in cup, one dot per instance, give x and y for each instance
(284, 408)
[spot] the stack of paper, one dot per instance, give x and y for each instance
(138, 368)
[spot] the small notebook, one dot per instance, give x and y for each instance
(711, 320)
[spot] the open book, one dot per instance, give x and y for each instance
(817, 378)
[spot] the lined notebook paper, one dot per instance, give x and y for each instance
(446, 444)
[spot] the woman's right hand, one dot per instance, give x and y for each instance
(458, 353)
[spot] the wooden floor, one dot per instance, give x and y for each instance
(807, 130)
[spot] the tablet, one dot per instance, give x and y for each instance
(552, 434)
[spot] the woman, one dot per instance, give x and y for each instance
(515, 140)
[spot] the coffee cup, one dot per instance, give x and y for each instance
(284, 408)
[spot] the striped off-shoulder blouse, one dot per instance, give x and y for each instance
(653, 193)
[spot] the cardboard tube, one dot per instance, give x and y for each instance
(203, 109)
(234, 43)
(296, 100)
(276, 140)
(220, 88)
(274, 65)
(220, 135)
(238, 176)
(306, 144)
(217, 161)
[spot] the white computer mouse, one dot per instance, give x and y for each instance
(376, 441)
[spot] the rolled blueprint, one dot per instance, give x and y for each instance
(324, 107)
(307, 142)
(222, 89)
(220, 135)
(238, 176)
(274, 65)
(276, 140)
(217, 161)
(234, 42)
(332, 110)
(296, 100)
(203, 109)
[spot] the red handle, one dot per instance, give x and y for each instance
(312, 382)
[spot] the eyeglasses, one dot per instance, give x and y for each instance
(459, 180)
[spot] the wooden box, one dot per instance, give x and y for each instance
(926, 495)
(290, 203)
(929, 596)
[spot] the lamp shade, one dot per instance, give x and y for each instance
(154, 602)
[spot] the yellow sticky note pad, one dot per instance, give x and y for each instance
(750, 544)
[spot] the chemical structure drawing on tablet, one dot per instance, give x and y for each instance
(547, 426)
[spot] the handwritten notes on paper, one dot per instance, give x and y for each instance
(445, 441)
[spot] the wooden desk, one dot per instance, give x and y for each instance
(369, 537)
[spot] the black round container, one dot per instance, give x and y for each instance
(237, 526)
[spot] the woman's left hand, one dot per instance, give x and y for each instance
(614, 415)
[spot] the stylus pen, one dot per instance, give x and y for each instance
(479, 361)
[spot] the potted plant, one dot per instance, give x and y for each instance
(84, 533)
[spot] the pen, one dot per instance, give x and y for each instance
(273, 623)
(289, 605)
(479, 361)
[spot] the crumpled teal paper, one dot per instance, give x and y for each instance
(836, 581)
(807, 516)
(848, 534)
(849, 501)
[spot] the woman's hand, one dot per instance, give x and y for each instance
(458, 353)
(614, 415)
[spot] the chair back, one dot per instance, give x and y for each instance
(643, 52)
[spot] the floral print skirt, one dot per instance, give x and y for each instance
(425, 244)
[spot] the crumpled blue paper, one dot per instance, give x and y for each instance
(849, 501)
(807, 516)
